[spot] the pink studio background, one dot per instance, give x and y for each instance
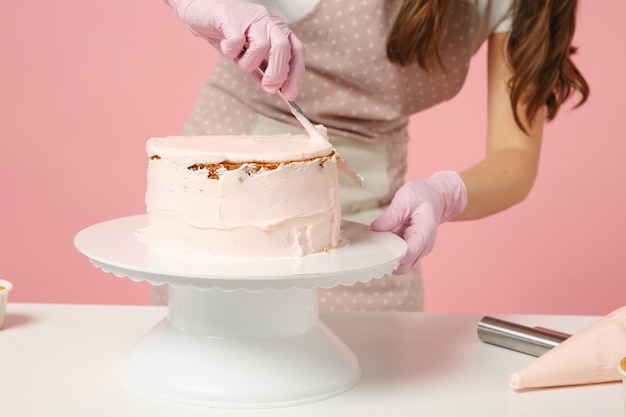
(84, 84)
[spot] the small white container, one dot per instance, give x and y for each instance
(622, 370)
(5, 287)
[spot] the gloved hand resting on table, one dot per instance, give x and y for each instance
(416, 211)
(248, 34)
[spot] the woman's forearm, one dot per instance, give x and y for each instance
(498, 182)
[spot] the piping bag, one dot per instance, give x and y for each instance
(315, 133)
(588, 357)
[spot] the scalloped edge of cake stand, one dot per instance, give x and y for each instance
(114, 247)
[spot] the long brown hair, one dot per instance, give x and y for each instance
(539, 49)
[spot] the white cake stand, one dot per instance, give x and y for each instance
(241, 333)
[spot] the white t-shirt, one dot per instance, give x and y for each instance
(493, 15)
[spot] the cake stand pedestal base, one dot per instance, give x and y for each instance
(242, 349)
(241, 333)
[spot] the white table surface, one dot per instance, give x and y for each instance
(65, 360)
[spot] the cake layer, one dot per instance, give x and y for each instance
(243, 196)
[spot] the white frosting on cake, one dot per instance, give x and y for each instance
(239, 149)
(290, 208)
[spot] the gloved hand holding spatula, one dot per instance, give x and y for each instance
(248, 34)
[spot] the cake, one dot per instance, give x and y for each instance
(243, 196)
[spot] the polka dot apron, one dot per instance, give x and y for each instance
(364, 100)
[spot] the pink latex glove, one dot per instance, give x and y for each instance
(248, 34)
(416, 211)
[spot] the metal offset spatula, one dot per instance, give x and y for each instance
(311, 129)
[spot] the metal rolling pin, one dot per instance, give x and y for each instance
(529, 340)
